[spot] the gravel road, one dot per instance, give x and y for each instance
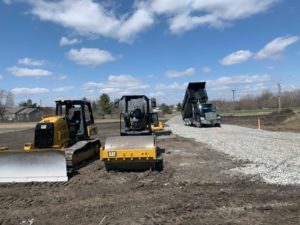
(272, 157)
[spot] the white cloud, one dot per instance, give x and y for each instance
(29, 91)
(243, 84)
(62, 89)
(273, 49)
(169, 93)
(185, 73)
(66, 41)
(186, 15)
(8, 2)
(1, 77)
(91, 85)
(236, 57)
(94, 18)
(206, 70)
(31, 62)
(90, 18)
(157, 94)
(240, 79)
(175, 86)
(138, 22)
(62, 77)
(26, 72)
(118, 85)
(90, 56)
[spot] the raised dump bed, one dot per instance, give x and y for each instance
(195, 109)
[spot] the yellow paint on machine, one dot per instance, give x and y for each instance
(61, 132)
(159, 127)
(128, 154)
(92, 130)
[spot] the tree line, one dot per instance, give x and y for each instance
(103, 106)
(267, 99)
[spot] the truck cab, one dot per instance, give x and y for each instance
(206, 114)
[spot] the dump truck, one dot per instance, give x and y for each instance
(135, 148)
(62, 143)
(196, 111)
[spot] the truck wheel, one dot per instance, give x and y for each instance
(198, 124)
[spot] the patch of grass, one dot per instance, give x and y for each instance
(255, 112)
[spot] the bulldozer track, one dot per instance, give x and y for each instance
(17, 201)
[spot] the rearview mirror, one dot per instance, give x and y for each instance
(153, 102)
(116, 103)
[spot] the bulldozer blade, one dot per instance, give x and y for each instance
(33, 166)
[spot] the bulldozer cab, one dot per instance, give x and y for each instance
(135, 117)
(154, 119)
(79, 116)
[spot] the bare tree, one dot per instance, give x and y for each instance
(6, 102)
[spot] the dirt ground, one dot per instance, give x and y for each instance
(193, 188)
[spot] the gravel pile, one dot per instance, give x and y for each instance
(274, 157)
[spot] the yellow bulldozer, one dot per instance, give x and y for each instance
(135, 148)
(158, 127)
(62, 144)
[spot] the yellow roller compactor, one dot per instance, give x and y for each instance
(62, 143)
(135, 148)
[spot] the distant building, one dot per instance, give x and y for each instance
(10, 114)
(29, 114)
(22, 114)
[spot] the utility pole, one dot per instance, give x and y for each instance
(279, 97)
(233, 99)
(233, 92)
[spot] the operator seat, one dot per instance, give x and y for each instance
(137, 113)
(75, 124)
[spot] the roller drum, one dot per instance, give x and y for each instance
(130, 142)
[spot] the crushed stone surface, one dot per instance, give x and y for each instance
(272, 157)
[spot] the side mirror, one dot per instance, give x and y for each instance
(153, 102)
(116, 103)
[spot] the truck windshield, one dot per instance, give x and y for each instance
(207, 107)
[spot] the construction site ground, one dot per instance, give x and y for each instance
(193, 188)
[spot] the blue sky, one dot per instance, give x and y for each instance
(71, 49)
